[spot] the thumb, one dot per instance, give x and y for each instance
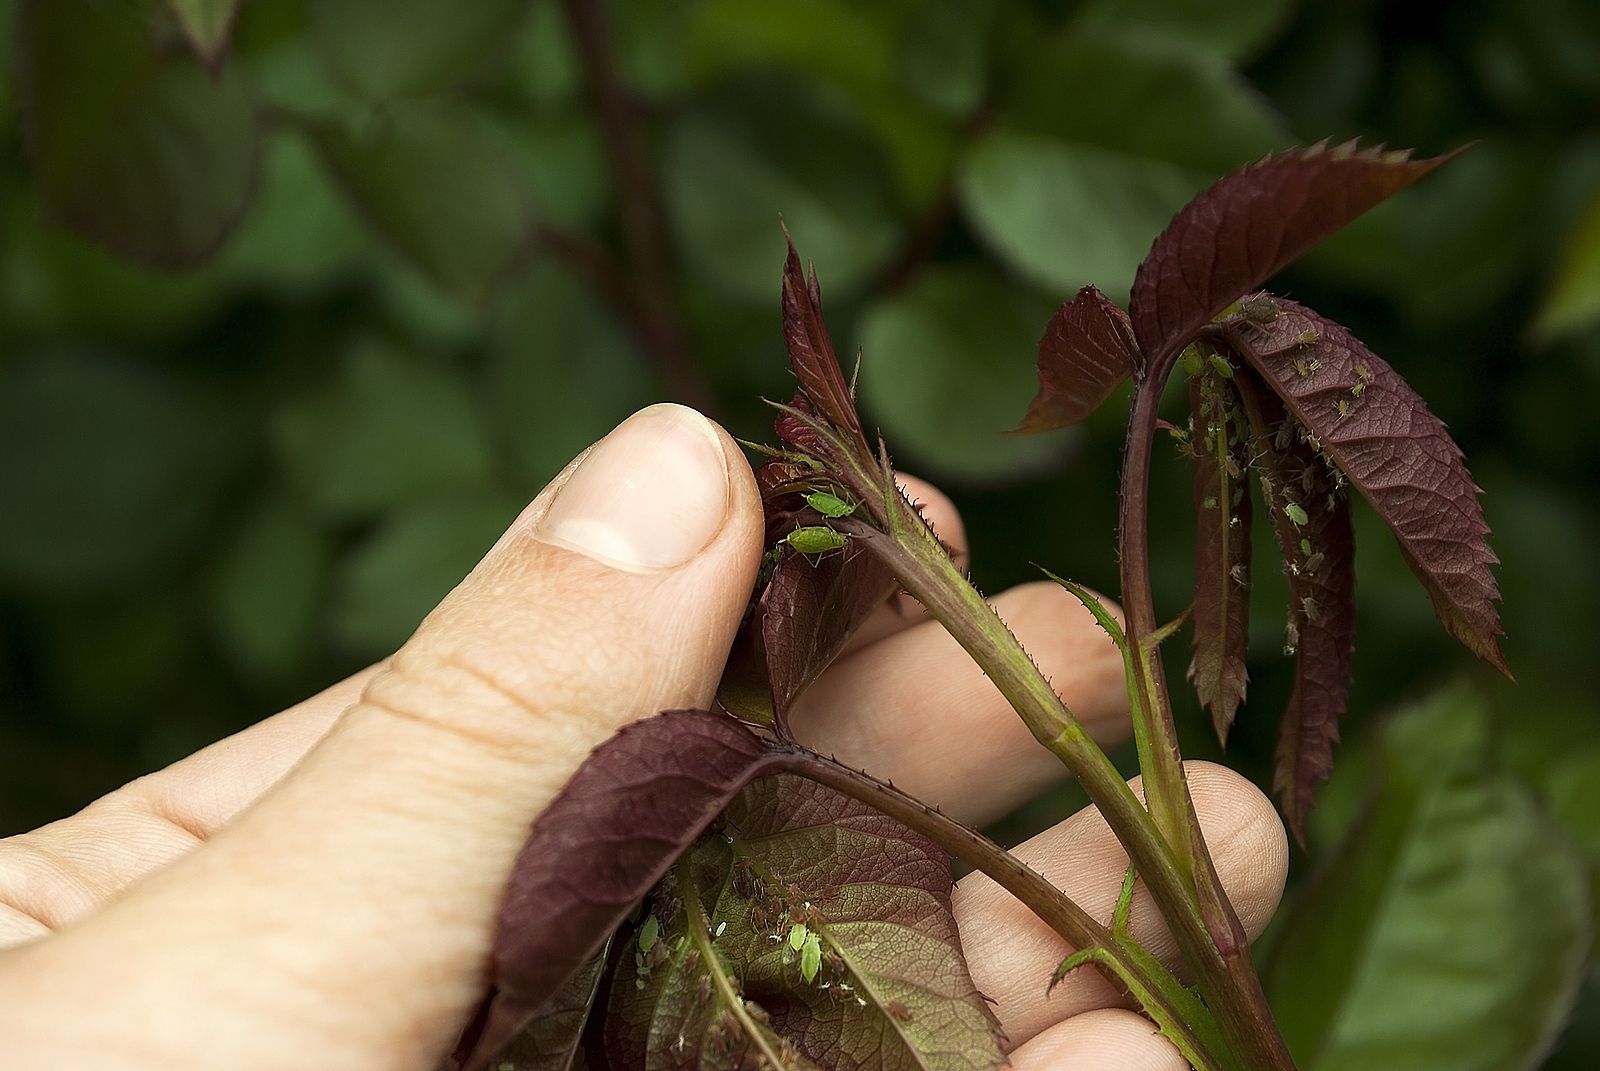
(346, 919)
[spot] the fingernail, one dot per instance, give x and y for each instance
(649, 496)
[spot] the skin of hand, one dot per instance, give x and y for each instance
(320, 890)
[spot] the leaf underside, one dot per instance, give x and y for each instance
(810, 610)
(1296, 482)
(1382, 436)
(891, 989)
(633, 807)
(1219, 441)
(1085, 354)
(1248, 226)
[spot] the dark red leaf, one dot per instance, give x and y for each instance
(1086, 352)
(1388, 444)
(1247, 227)
(811, 608)
(889, 989)
(1311, 519)
(811, 353)
(634, 806)
(1219, 440)
(554, 1035)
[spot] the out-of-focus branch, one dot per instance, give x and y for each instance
(647, 281)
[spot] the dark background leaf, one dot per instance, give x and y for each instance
(142, 151)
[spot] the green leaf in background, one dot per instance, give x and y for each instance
(300, 235)
(387, 429)
(1227, 28)
(268, 591)
(947, 366)
(1065, 216)
(206, 23)
(1451, 930)
(387, 48)
(386, 587)
(438, 183)
(734, 166)
(561, 372)
(140, 149)
(942, 52)
(1573, 300)
(1073, 192)
(107, 469)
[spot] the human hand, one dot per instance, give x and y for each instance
(321, 889)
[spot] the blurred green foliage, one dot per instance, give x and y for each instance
(297, 310)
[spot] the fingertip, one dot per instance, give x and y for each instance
(1108, 1039)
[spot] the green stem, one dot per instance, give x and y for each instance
(1220, 951)
(699, 933)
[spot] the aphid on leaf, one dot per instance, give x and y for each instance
(1231, 464)
(1356, 389)
(815, 539)
(831, 506)
(1364, 372)
(649, 933)
(1302, 368)
(1313, 562)
(1285, 435)
(1291, 638)
(1297, 516)
(1240, 574)
(1193, 363)
(1306, 338)
(1221, 366)
(1342, 407)
(797, 936)
(1305, 546)
(899, 1011)
(1313, 612)
(1210, 502)
(811, 957)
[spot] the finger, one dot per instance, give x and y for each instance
(901, 611)
(349, 913)
(1012, 954)
(915, 709)
(1108, 1039)
(59, 872)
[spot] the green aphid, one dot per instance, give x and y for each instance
(1193, 363)
(1221, 366)
(815, 539)
(1305, 546)
(811, 957)
(1296, 515)
(798, 935)
(829, 505)
(649, 933)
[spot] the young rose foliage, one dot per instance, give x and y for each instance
(694, 805)
(1283, 391)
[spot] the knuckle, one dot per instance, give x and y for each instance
(39, 884)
